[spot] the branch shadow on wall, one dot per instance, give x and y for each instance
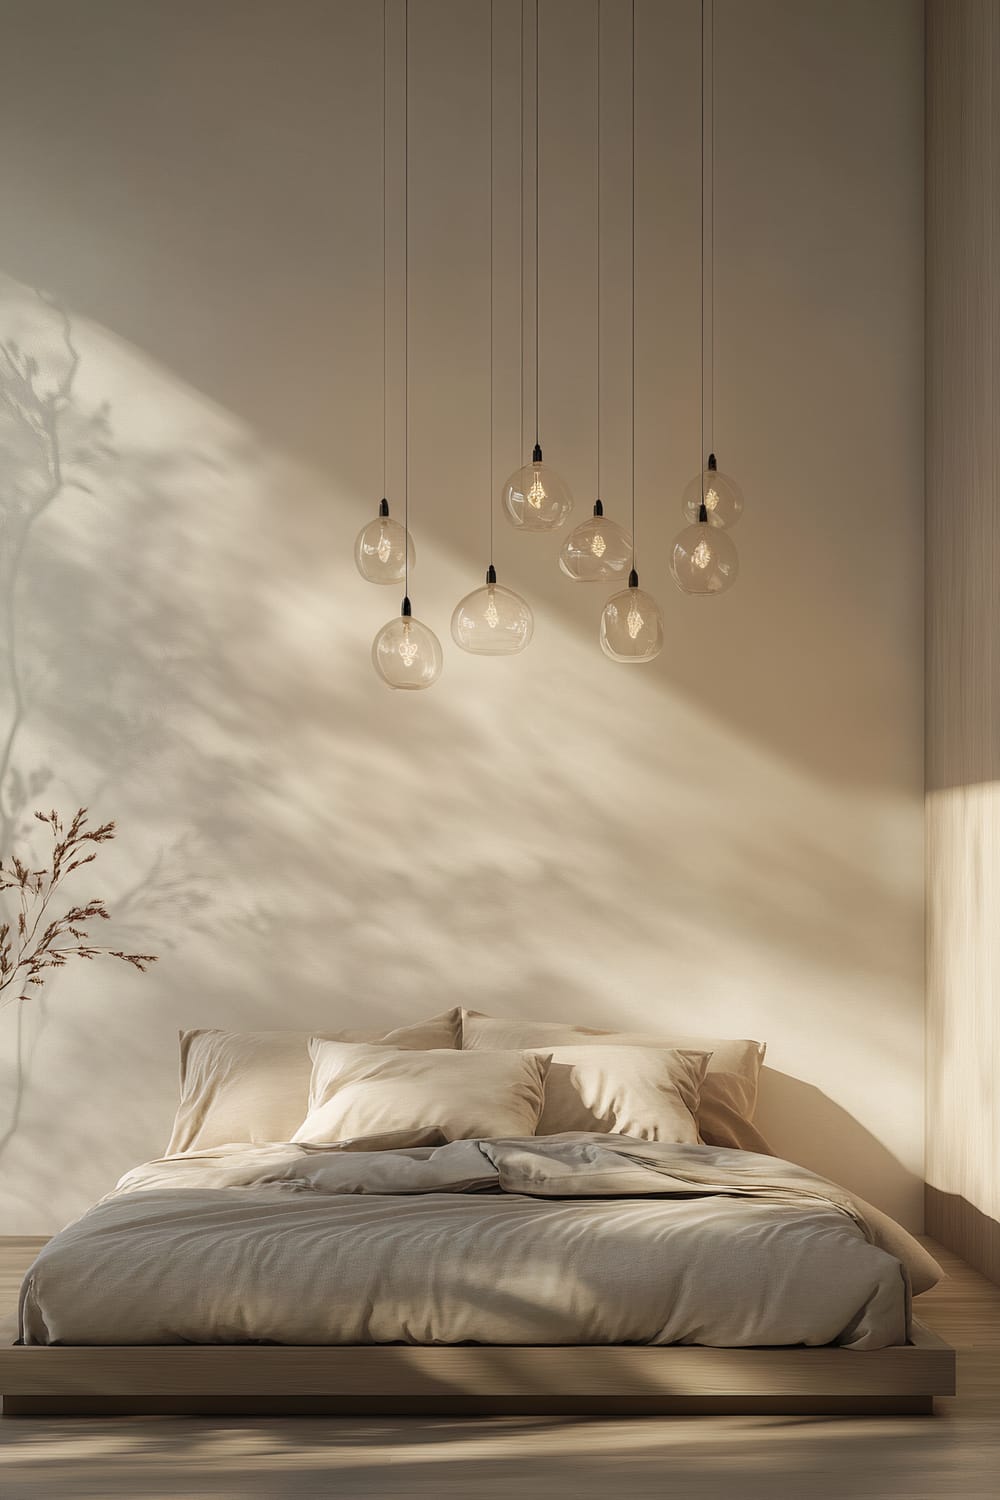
(56, 448)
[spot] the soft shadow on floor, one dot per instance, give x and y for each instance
(751, 1457)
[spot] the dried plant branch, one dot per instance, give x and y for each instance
(28, 950)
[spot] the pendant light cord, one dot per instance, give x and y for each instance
(711, 225)
(632, 455)
(385, 258)
(701, 456)
(520, 224)
(406, 297)
(598, 424)
(538, 7)
(489, 490)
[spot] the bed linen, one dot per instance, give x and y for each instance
(648, 1092)
(357, 1089)
(254, 1085)
(728, 1093)
(576, 1239)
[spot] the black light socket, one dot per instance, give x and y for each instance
(383, 507)
(598, 508)
(406, 611)
(711, 462)
(633, 579)
(491, 574)
(536, 456)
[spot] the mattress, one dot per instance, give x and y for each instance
(545, 1240)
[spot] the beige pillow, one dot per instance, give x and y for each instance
(648, 1092)
(254, 1085)
(363, 1090)
(728, 1092)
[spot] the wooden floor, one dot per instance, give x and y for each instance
(955, 1453)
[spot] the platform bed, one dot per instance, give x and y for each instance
(472, 1379)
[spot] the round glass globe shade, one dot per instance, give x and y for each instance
(703, 560)
(723, 498)
(632, 627)
(380, 551)
(596, 550)
(535, 498)
(407, 654)
(492, 621)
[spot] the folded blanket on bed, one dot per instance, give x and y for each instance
(544, 1240)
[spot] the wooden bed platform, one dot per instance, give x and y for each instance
(470, 1379)
(457, 1380)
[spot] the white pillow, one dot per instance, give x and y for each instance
(254, 1085)
(647, 1092)
(728, 1097)
(365, 1090)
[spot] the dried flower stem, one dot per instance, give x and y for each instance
(28, 949)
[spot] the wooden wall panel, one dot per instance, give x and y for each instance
(963, 628)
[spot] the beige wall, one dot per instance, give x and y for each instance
(730, 838)
(963, 628)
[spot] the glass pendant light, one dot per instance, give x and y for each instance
(535, 497)
(703, 559)
(598, 549)
(632, 625)
(722, 495)
(383, 549)
(492, 620)
(406, 653)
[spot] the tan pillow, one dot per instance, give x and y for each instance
(728, 1093)
(362, 1090)
(254, 1085)
(648, 1092)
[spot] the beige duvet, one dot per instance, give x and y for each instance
(542, 1240)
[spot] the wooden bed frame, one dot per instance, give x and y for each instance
(473, 1379)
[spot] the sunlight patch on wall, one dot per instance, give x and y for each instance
(963, 989)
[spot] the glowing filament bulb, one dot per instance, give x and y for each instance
(634, 621)
(598, 545)
(491, 614)
(537, 492)
(408, 649)
(384, 549)
(711, 500)
(702, 554)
